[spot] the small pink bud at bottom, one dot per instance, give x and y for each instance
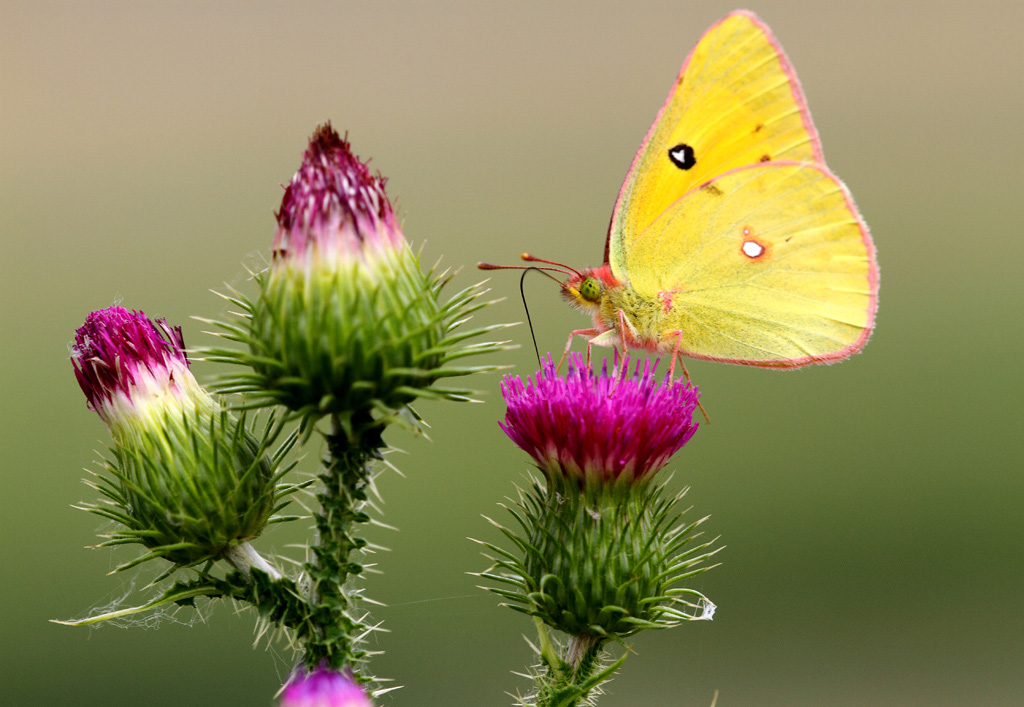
(323, 687)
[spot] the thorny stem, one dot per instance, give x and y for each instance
(570, 680)
(581, 647)
(347, 472)
(582, 658)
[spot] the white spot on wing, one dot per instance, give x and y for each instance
(752, 249)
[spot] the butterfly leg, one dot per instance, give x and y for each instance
(622, 342)
(605, 338)
(590, 333)
(686, 373)
(676, 356)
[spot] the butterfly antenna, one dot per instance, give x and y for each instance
(492, 266)
(526, 307)
(565, 268)
(546, 272)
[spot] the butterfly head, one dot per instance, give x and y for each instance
(587, 289)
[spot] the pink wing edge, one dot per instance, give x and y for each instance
(873, 277)
(794, 83)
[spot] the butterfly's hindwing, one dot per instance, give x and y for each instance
(768, 265)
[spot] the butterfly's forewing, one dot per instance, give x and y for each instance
(767, 265)
(736, 102)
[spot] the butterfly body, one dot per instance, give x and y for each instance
(648, 324)
(731, 240)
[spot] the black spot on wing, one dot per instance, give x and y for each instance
(682, 156)
(765, 158)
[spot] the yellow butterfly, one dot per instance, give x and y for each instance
(731, 240)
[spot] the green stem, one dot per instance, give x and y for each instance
(570, 680)
(582, 653)
(353, 445)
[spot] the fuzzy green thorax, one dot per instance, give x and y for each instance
(600, 294)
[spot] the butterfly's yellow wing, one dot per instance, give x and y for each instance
(766, 265)
(730, 220)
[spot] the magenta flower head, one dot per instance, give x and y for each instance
(323, 687)
(598, 428)
(346, 323)
(128, 366)
(602, 544)
(186, 479)
(334, 209)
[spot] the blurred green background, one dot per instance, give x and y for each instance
(871, 509)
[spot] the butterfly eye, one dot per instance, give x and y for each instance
(590, 289)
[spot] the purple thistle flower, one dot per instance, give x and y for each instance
(323, 687)
(333, 206)
(598, 427)
(123, 362)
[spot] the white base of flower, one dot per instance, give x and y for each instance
(243, 557)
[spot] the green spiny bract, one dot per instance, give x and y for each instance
(602, 560)
(189, 485)
(335, 342)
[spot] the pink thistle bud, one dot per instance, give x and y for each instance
(346, 321)
(323, 687)
(599, 428)
(186, 479)
(126, 364)
(334, 208)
